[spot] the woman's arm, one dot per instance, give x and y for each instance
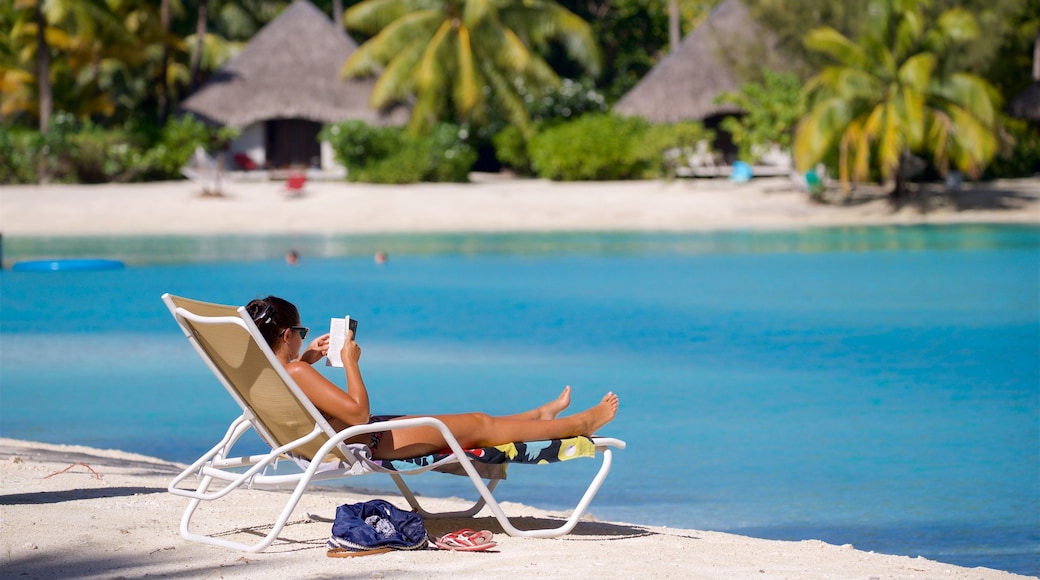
(317, 350)
(350, 406)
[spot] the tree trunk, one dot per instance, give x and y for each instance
(200, 38)
(43, 70)
(1036, 58)
(337, 14)
(674, 36)
(899, 191)
(164, 63)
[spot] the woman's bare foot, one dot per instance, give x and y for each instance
(601, 414)
(553, 408)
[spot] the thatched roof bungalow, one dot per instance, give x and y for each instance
(284, 86)
(710, 60)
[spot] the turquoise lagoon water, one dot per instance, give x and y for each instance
(872, 386)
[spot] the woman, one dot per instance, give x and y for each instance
(279, 323)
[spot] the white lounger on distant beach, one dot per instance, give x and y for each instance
(277, 410)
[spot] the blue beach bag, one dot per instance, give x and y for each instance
(376, 525)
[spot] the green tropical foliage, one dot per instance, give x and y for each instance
(460, 59)
(394, 155)
(773, 108)
(632, 36)
(894, 93)
(611, 147)
(115, 70)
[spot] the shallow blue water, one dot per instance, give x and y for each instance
(872, 386)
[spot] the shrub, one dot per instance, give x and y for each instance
(392, 155)
(593, 147)
(511, 149)
(176, 146)
(773, 109)
(553, 106)
(609, 147)
(1021, 154)
(670, 145)
(19, 155)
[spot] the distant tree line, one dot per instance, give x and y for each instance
(89, 77)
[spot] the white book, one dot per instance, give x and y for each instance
(338, 336)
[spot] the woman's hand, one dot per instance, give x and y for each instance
(351, 351)
(317, 350)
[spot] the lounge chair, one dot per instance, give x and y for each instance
(205, 172)
(244, 161)
(295, 183)
(277, 410)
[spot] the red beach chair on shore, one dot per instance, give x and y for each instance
(295, 183)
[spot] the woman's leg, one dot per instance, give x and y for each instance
(482, 430)
(550, 410)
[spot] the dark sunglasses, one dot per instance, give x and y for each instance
(302, 329)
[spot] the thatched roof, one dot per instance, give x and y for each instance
(1026, 105)
(709, 60)
(289, 70)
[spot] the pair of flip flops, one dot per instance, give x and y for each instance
(466, 540)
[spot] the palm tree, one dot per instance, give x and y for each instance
(893, 94)
(83, 34)
(459, 56)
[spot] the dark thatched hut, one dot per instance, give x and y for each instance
(284, 86)
(720, 55)
(714, 58)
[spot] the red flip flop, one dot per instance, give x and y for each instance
(466, 540)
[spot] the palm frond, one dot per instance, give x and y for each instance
(372, 16)
(912, 110)
(836, 45)
(891, 141)
(972, 93)
(477, 12)
(817, 131)
(916, 71)
(908, 33)
(395, 83)
(428, 75)
(380, 49)
(507, 99)
(957, 25)
(467, 91)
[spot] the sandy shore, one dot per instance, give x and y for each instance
(490, 204)
(85, 513)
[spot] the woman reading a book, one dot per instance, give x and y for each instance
(279, 323)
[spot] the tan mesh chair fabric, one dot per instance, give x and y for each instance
(246, 368)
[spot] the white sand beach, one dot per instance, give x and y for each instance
(77, 512)
(109, 515)
(490, 204)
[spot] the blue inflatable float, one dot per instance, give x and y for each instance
(69, 265)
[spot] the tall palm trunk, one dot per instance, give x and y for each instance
(164, 63)
(337, 14)
(899, 192)
(674, 36)
(43, 69)
(200, 38)
(1036, 58)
